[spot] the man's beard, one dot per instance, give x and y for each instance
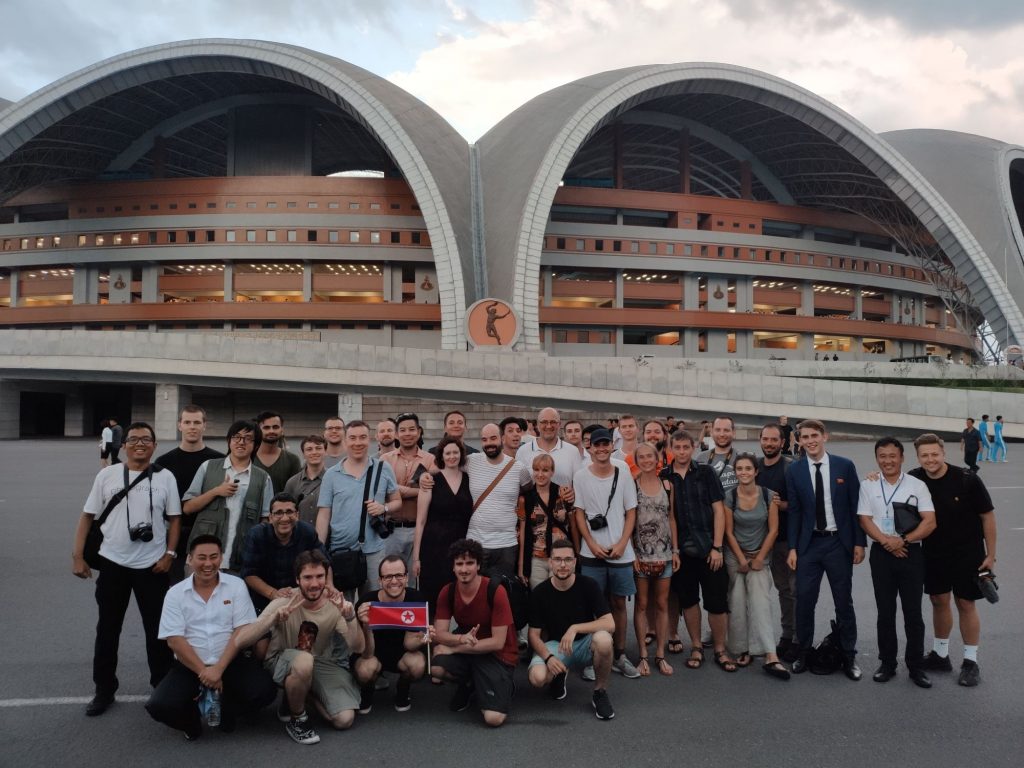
(492, 451)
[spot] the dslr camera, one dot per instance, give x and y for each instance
(382, 525)
(141, 532)
(597, 522)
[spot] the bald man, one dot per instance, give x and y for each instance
(566, 456)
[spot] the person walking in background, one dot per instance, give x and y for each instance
(998, 445)
(970, 444)
(106, 440)
(986, 439)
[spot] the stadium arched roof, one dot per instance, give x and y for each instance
(94, 119)
(821, 155)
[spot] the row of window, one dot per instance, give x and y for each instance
(171, 237)
(210, 205)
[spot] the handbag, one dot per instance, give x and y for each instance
(651, 569)
(94, 538)
(905, 515)
(348, 566)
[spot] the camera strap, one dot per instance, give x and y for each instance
(611, 494)
(123, 494)
(366, 496)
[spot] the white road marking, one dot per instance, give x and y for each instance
(57, 700)
(1004, 487)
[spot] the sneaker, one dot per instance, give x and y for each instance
(366, 699)
(301, 732)
(935, 663)
(970, 674)
(194, 731)
(382, 683)
(602, 705)
(284, 714)
(403, 702)
(625, 667)
(556, 688)
(460, 700)
(588, 673)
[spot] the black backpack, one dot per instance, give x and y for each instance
(518, 598)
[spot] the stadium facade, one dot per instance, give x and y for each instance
(693, 211)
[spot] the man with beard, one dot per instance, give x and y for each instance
(385, 436)
(570, 625)
(200, 616)
(334, 434)
(771, 474)
(228, 497)
(313, 634)
(408, 461)
(268, 559)
(722, 457)
(390, 650)
(183, 462)
(305, 484)
(270, 456)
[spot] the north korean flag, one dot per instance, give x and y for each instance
(408, 616)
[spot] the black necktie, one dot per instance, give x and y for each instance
(819, 499)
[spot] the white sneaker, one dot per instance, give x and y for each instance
(625, 667)
(588, 674)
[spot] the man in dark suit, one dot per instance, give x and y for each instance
(825, 538)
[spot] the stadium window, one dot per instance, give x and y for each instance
(134, 238)
(581, 245)
(136, 207)
(599, 245)
(230, 204)
(312, 204)
(333, 205)
(353, 237)
(250, 204)
(117, 241)
(211, 235)
(396, 238)
(292, 236)
(558, 336)
(396, 206)
(721, 251)
(118, 209)
(211, 206)
(41, 242)
(310, 235)
(192, 205)
(583, 337)
(170, 206)
(230, 235)
(101, 209)
(417, 237)
(703, 251)
(291, 204)
(616, 246)
(154, 207)
(190, 236)
(374, 206)
(332, 236)
(687, 249)
(353, 206)
(560, 243)
(271, 235)
(100, 240)
(82, 239)
(634, 246)
(250, 235)
(271, 205)
(56, 241)
(172, 237)
(375, 237)
(652, 247)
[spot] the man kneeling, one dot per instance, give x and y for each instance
(572, 613)
(481, 655)
(313, 633)
(392, 650)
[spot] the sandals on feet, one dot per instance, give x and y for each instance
(696, 659)
(722, 660)
(643, 667)
(649, 638)
(675, 646)
(776, 669)
(663, 666)
(743, 660)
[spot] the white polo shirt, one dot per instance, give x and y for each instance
(207, 625)
(565, 455)
(876, 500)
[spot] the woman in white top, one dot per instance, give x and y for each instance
(106, 438)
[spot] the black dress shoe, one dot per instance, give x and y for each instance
(851, 670)
(100, 703)
(800, 664)
(920, 678)
(884, 674)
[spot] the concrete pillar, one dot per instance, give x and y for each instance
(14, 277)
(229, 282)
(807, 299)
(545, 300)
(151, 284)
(168, 403)
(858, 304)
(894, 308)
(350, 406)
(690, 342)
(10, 411)
(691, 292)
(92, 285)
(74, 414)
(307, 282)
(619, 297)
(80, 286)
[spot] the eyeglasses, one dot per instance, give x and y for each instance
(552, 423)
(243, 439)
(394, 576)
(139, 441)
(292, 512)
(563, 560)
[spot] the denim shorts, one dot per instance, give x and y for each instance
(616, 580)
(581, 655)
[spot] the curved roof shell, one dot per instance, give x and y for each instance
(88, 121)
(821, 155)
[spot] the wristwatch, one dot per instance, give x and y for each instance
(172, 553)
(717, 549)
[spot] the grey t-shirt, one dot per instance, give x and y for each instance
(722, 463)
(749, 526)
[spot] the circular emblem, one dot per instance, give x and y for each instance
(407, 617)
(492, 323)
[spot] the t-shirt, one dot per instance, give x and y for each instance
(774, 479)
(493, 524)
(722, 463)
(960, 498)
(554, 610)
(286, 465)
(592, 496)
(148, 502)
(877, 498)
(476, 611)
(305, 629)
(971, 438)
(343, 493)
(184, 465)
(390, 643)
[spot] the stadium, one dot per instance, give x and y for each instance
(695, 211)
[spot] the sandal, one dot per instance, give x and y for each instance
(722, 660)
(675, 646)
(696, 658)
(643, 667)
(743, 660)
(776, 669)
(663, 666)
(649, 638)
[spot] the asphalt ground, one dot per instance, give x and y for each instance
(704, 717)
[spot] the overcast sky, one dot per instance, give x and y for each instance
(954, 64)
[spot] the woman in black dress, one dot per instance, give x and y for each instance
(442, 517)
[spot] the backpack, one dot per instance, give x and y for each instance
(827, 657)
(518, 598)
(731, 494)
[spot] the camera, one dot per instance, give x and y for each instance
(597, 522)
(382, 526)
(141, 532)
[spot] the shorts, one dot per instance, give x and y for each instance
(491, 678)
(956, 572)
(665, 574)
(581, 655)
(388, 660)
(695, 578)
(333, 685)
(616, 580)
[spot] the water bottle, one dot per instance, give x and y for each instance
(212, 697)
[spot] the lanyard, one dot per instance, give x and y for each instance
(881, 487)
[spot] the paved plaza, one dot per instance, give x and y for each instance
(704, 717)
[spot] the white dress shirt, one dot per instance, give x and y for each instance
(207, 625)
(830, 518)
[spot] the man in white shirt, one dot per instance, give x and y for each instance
(140, 534)
(567, 457)
(605, 511)
(229, 496)
(200, 617)
(897, 557)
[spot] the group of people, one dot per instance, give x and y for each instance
(527, 548)
(977, 443)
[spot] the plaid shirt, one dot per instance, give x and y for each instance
(274, 562)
